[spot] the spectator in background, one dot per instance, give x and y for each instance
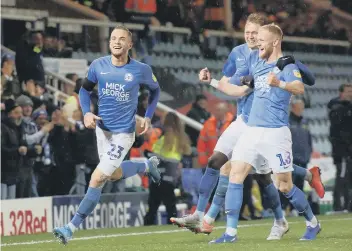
(29, 62)
(142, 106)
(301, 144)
(84, 149)
(63, 169)
(171, 11)
(195, 13)
(142, 11)
(42, 167)
(30, 70)
(199, 113)
(50, 45)
(340, 115)
(81, 139)
(170, 147)
(13, 148)
(87, 3)
(70, 89)
(72, 102)
(301, 137)
(41, 98)
(10, 85)
(211, 131)
(32, 139)
(55, 48)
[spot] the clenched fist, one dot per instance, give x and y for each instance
(204, 75)
(273, 80)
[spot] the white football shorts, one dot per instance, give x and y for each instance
(112, 149)
(229, 139)
(271, 144)
(230, 136)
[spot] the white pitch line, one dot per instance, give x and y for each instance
(151, 232)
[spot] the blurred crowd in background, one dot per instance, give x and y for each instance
(296, 17)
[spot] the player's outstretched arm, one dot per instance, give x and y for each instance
(307, 76)
(223, 85)
(233, 90)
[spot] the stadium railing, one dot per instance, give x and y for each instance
(53, 80)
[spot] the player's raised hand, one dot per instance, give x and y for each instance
(273, 80)
(204, 75)
(145, 123)
(90, 120)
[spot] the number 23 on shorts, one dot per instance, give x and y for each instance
(115, 152)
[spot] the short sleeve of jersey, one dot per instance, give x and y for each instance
(292, 73)
(91, 75)
(242, 70)
(229, 68)
(149, 78)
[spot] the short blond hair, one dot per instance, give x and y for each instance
(257, 18)
(124, 28)
(274, 29)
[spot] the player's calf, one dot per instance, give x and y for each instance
(206, 226)
(87, 205)
(300, 203)
(208, 181)
(130, 168)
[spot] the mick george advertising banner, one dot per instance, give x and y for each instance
(41, 215)
(113, 210)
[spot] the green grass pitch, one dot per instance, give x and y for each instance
(336, 235)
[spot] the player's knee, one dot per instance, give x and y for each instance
(98, 179)
(217, 160)
(239, 171)
(285, 183)
(226, 169)
(264, 179)
(116, 175)
(285, 186)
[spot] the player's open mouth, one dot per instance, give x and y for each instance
(117, 47)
